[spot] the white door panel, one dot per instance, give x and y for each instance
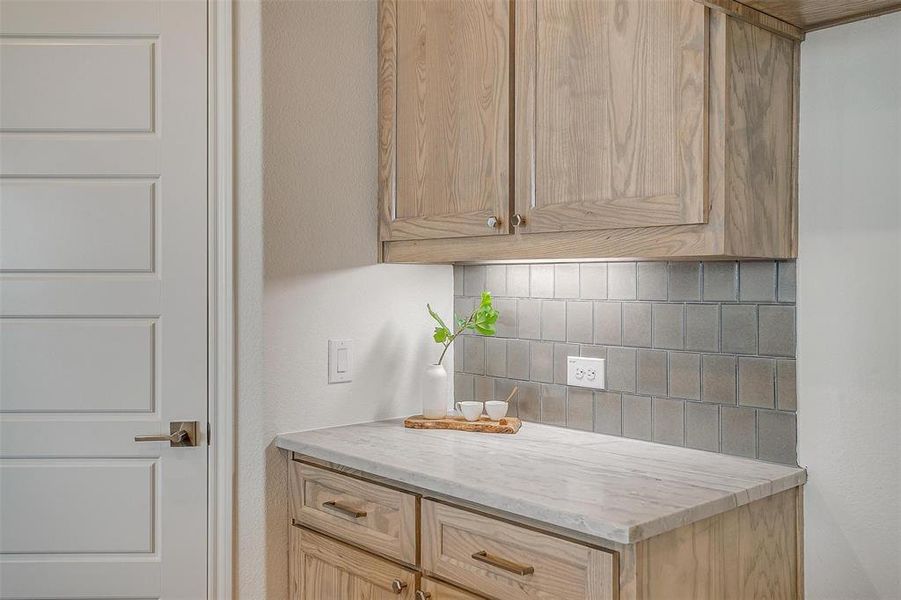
(51, 579)
(63, 295)
(77, 506)
(131, 155)
(108, 85)
(53, 435)
(103, 306)
(82, 17)
(82, 225)
(46, 369)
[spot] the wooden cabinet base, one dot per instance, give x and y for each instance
(751, 552)
(324, 569)
(507, 561)
(432, 589)
(373, 517)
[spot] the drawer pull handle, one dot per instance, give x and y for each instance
(349, 512)
(502, 563)
(397, 586)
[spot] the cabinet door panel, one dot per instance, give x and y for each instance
(445, 112)
(386, 523)
(611, 113)
(502, 560)
(435, 590)
(325, 569)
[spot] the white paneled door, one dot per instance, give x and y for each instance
(103, 298)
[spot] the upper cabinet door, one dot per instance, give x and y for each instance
(611, 113)
(444, 109)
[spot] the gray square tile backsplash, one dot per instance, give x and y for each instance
(700, 355)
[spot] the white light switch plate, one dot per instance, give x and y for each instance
(340, 360)
(585, 372)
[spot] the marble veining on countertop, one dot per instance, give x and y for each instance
(608, 487)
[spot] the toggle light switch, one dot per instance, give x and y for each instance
(340, 361)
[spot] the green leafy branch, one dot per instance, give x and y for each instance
(481, 320)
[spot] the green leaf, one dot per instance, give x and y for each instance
(484, 317)
(442, 333)
(435, 316)
(485, 330)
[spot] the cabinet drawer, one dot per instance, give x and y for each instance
(435, 590)
(372, 516)
(510, 562)
(324, 569)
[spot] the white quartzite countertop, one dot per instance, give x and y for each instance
(601, 486)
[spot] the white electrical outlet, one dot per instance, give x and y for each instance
(340, 360)
(585, 372)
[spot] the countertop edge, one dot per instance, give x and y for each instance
(629, 534)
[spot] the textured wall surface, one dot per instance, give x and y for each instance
(307, 153)
(849, 309)
(697, 354)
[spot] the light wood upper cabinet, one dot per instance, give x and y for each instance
(444, 118)
(590, 129)
(611, 111)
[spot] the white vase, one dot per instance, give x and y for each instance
(433, 391)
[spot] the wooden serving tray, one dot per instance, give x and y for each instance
(483, 425)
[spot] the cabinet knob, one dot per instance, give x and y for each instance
(493, 222)
(397, 586)
(517, 220)
(420, 595)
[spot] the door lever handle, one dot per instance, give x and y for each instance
(173, 439)
(181, 433)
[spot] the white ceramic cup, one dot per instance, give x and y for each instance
(496, 409)
(471, 410)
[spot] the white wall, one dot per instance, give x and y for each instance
(306, 122)
(305, 134)
(849, 309)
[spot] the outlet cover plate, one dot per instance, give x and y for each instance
(586, 372)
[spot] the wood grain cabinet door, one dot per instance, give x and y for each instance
(611, 113)
(324, 569)
(510, 562)
(432, 589)
(444, 112)
(374, 517)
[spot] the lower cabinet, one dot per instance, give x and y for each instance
(358, 539)
(432, 589)
(353, 539)
(503, 560)
(324, 569)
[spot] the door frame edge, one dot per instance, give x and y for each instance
(220, 300)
